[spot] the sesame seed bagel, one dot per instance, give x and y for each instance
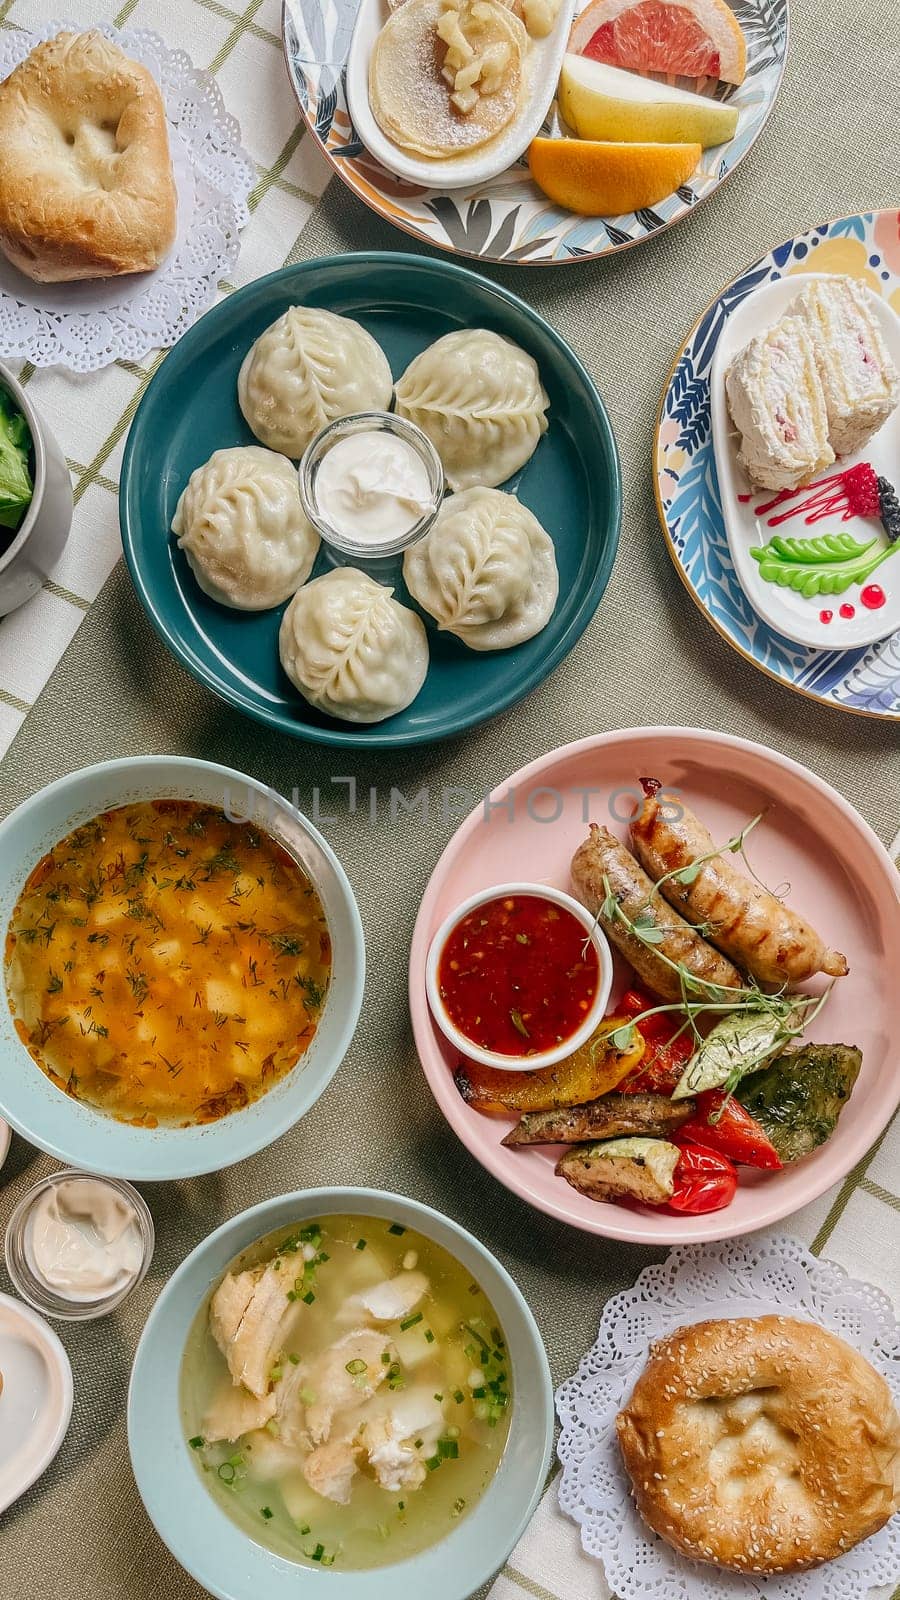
(761, 1444)
(86, 184)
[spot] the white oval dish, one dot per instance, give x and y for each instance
(36, 1400)
(459, 172)
(5, 1137)
(543, 1058)
(793, 614)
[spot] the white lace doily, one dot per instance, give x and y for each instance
(736, 1278)
(86, 325)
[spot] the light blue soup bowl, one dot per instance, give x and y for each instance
(211, 1547)
(83, 1137)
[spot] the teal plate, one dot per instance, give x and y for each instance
(572, 484)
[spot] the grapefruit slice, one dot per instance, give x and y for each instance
(691, 39)
(601, 102)
(598, 179)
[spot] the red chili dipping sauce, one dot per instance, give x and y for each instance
(518, 975)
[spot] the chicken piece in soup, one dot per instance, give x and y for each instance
(346, 1392)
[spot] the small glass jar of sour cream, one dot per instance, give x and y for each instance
(372, 484)
(77, 1245)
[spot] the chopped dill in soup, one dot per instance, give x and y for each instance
(346, 1392)
(167, 964)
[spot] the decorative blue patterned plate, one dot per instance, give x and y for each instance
(865, 680)
(509, 219)
(190, 409)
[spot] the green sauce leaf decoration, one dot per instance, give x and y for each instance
(828, 564)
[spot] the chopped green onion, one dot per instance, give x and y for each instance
(197, 1442)
(433, 1463)
(396, 1228)
(401, 1505)
(315, 1555)
(410, 1322)
(294, 1359)
(418, 1444)
(429, 1336)
(458, 1396)
(309, 1298)
(308, 1397)
(439, 1398)
(361, 1244)
(276, 1373)
(226, 1472)
(459, 1507)
(448, 1449)
(479, 1394)
(304, 1528)
(356, 1367)
(265, 1512)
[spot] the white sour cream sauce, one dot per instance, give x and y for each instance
(83, 1239)
(372, 487)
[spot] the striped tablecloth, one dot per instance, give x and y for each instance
(90, 414)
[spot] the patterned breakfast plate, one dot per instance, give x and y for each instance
(865, 680)
(507, 218)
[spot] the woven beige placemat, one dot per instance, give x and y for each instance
(648, 657)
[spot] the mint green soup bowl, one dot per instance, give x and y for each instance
(85, 1137)
(215, 1550)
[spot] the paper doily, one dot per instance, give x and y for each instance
(87, 325)
(736, 1278)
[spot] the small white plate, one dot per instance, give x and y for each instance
(544, 63)
(36, 1399)
(5, 1136)
(792, 614)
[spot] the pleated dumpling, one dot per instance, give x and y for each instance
(486, 571)
(308, 368)
(351, 649)
(241, 524)
(481, 402)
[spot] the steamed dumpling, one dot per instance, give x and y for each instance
(481, 402)
(243, 529)
(351, 649)
(308, 368)
(486, 571)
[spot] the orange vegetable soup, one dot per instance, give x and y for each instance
(166, 964)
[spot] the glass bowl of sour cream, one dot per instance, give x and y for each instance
(77, 1245)
(372, 484)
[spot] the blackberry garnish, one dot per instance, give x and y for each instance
(889, 509)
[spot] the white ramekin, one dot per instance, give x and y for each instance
(543, 1058)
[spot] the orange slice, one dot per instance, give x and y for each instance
(691, 39)
(606, 180)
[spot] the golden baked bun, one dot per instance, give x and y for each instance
(86, 185)
(762, 1444)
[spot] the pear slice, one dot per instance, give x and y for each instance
(605, 103)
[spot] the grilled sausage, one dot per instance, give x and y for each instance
(601, 856)
(741, 917)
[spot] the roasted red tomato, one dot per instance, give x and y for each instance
(734, 1133)
(666, 1057)
(704, 1180)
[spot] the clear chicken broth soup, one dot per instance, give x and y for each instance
(346, 1392)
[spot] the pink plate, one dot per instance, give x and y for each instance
(841, 878)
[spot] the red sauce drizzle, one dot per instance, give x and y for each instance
(872, 597)
(517, 975)
(847, 494)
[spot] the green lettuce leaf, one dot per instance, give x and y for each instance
(16, 487)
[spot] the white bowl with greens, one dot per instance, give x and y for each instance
(35, 497)
(340, 1379)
